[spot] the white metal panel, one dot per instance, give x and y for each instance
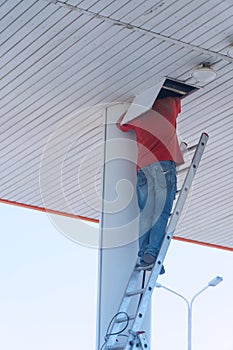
(193, 18)
(171, 12)
(213, 28)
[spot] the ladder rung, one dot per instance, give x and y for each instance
(125, 319)
(121, 346)
(135, 292)
(183, 170)
(144, 268)
(116, 347)
(192, 147)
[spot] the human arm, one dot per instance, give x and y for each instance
(178, 104)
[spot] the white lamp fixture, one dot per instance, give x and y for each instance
(214, 282)
(204, 73)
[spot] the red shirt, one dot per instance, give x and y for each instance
(156, 132)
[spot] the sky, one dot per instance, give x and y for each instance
(48, 287)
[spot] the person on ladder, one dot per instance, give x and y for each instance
(157, 157)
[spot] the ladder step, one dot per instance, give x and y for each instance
(116, 347)
(144, 268)
(125, 319)
(135, 292)
(122, 346)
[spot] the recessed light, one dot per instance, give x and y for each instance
(204, 73)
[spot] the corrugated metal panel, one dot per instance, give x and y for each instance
(58, 57)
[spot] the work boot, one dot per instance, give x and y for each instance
(149, 259)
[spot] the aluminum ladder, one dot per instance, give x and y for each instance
(136, 339)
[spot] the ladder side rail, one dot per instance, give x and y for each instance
(141, 342)
(187, 183)
(144, 341)
(166, 242)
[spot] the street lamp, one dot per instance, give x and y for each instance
(214, 282)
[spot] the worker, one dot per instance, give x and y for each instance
(157, 157)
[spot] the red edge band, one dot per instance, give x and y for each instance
(51, 211)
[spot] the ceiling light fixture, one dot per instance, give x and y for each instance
(204, 73)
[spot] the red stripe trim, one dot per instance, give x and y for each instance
(202, 243)
(33, 207)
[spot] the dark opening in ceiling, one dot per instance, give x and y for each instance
(176, 88)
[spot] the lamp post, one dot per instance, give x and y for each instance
(214, 282)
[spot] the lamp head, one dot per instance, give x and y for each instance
(214, 282)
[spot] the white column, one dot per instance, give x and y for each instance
(119, 220)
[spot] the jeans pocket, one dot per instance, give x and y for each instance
(166, 178)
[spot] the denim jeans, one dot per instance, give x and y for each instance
(156, 190)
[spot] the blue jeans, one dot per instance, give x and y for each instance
(156, 190)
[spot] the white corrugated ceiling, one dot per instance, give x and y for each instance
(62, 61)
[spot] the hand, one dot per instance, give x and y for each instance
(120, 119)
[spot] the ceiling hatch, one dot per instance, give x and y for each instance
(176, 88)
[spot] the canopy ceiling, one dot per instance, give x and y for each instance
(62, 62)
